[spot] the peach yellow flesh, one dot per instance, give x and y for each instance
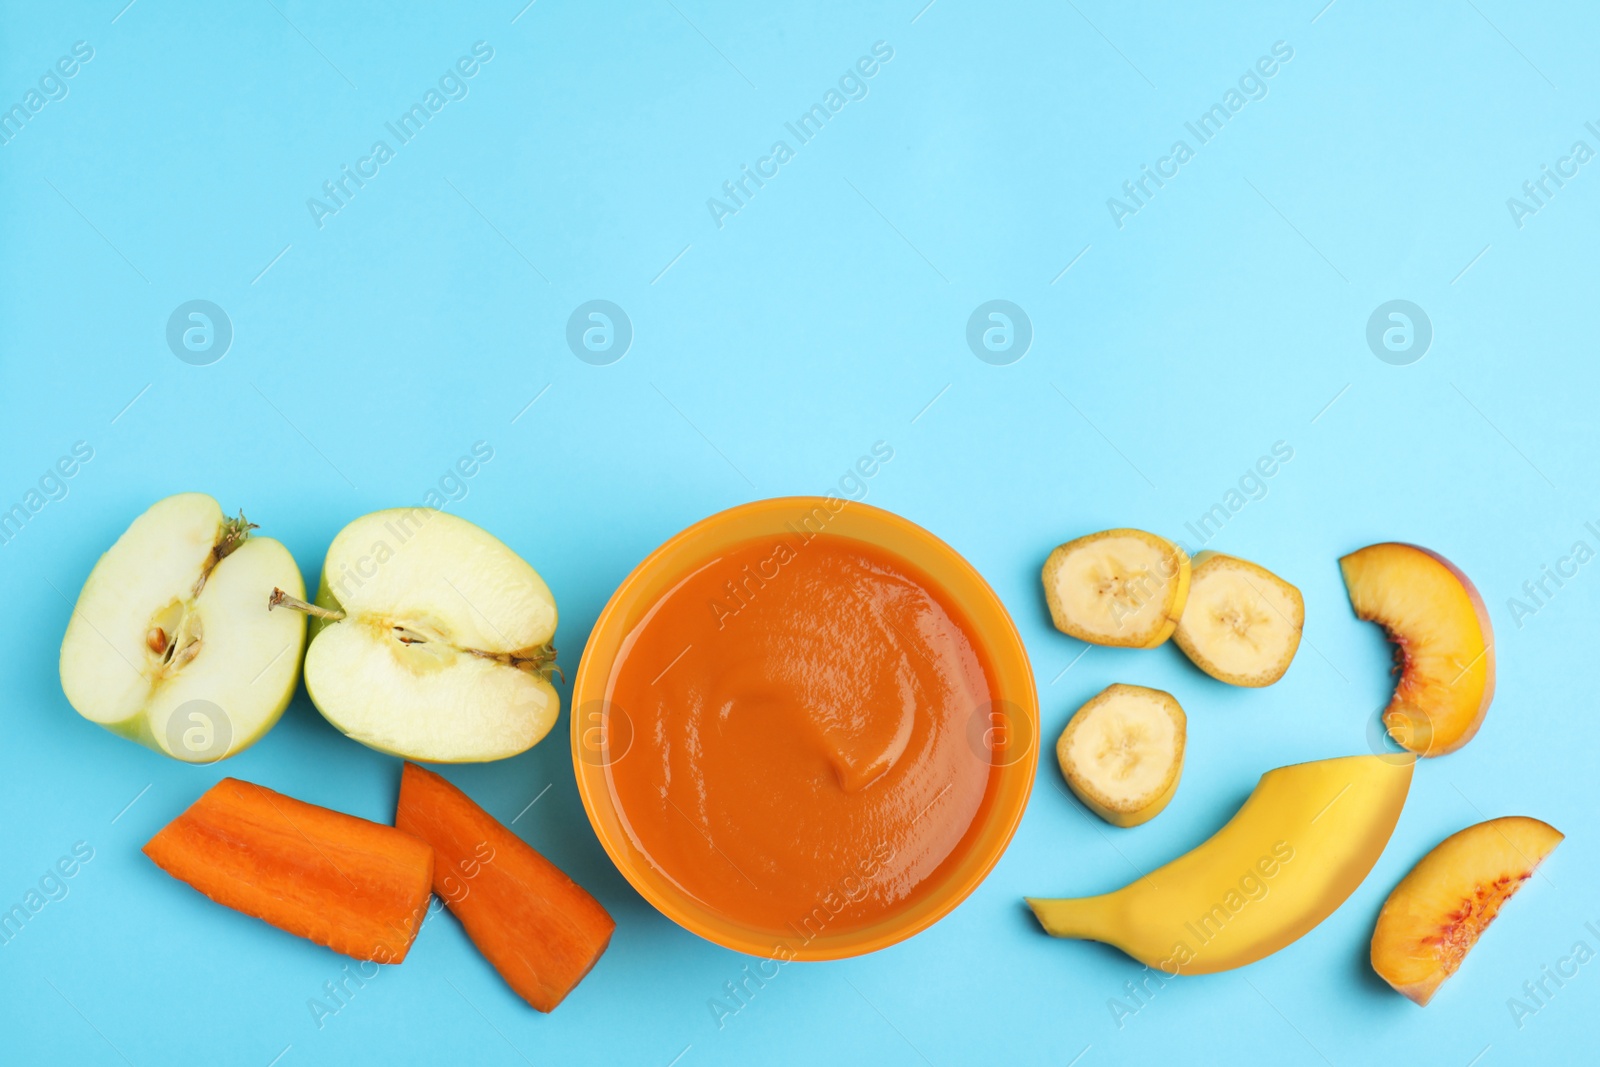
(1438, 911)
(1444, 645)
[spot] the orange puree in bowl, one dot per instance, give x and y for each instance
(808, 740)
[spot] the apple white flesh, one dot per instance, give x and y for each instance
(172, 643)
(432, 640)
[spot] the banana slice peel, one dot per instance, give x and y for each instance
(1121, 587)
(1301, 844)
(1241, 623)
(1122, 753)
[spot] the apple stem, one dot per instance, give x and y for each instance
(280, 599)
(542, 660)
(235, 532)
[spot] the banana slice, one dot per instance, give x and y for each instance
(1117, 587)
(1242, 623)
(1122, 753)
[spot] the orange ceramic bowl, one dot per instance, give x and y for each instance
(1010, 739)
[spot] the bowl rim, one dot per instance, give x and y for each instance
(988, 847)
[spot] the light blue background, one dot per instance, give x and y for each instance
(1227, 315)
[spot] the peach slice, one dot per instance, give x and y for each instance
(1438, 911)
(1444, 646)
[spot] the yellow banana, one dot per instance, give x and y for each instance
(1299, 846)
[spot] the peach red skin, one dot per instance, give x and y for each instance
(1481, 610)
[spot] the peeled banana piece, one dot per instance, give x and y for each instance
(1118, 587)
(1304, 840)
(1241, 623)
(1122, 753)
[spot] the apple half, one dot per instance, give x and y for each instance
(431, 639)
(172, 643)
(1443, 643)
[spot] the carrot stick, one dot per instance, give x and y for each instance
(536, 926)
(355, 886)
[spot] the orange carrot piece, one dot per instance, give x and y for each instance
(357, 887)
(536, 926)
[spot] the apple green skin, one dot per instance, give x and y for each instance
(325, 599)
(136, 728)
(192, 519)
